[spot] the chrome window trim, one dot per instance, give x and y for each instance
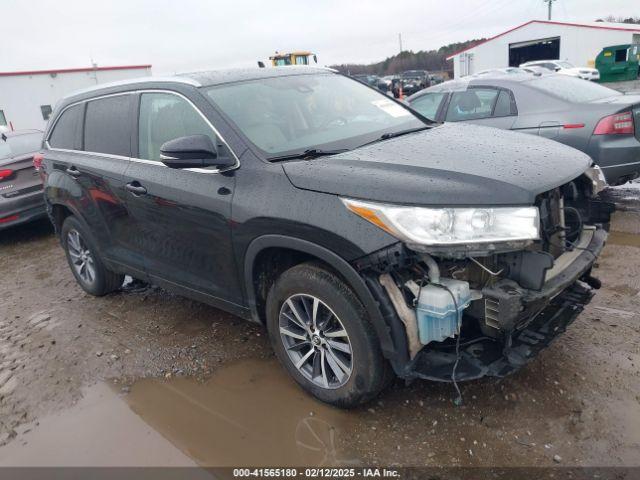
(142, 160)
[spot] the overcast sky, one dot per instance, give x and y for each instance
(183, 35)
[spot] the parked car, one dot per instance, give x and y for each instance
(435, 79)
(504, 71)
(385, 84)
(371, 80)
(565, 68)
(20, 186)
(414, 81)
(536, 70)
(601, 122)
(369, 240)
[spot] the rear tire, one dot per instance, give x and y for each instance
(337, 358)
(84, 261)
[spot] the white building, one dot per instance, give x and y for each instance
(28, 98)
(578, 43)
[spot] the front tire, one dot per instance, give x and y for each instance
(84, 261)
(320, 333)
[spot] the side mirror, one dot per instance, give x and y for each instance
(260, 64)
(557, 69)
(193, 151)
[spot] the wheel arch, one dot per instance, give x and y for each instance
(303, 250)
(58, 212)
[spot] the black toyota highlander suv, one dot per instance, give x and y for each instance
(368, 240)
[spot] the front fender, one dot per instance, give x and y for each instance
(356, 282)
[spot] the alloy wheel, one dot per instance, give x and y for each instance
(316, 341)
(81, 258)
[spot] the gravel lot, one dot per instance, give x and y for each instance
(204, 387)
(629, 86)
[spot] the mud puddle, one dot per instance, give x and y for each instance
(100, 430)
(248, 413)
(624, 238)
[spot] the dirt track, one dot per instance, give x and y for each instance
(208, 383)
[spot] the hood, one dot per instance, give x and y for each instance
(451, 164)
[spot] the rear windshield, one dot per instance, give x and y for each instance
(572, 89)
(20, 144)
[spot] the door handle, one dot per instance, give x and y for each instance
(135, 188)
(74, 172)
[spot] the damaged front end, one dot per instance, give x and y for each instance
(487, 308)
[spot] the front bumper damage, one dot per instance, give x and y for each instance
(529, 319)
(481, 356)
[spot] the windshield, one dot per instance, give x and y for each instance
(565, 64)
(16, 145)
(286, 115)
(572, 89)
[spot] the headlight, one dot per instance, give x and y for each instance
(450, 226)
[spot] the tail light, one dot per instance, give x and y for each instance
(5, 174)
(37, 161)
(617, 124)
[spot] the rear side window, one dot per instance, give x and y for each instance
(428, 104)
(107, 126)
(164, 117)
(471, 104)
(66, 132)
(503, 105)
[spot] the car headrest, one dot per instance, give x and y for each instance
(468, 101)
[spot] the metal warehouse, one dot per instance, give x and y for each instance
(578, 43)
(28, 98)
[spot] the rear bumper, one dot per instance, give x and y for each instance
(21, 209)
(617, 155)
(544, 316)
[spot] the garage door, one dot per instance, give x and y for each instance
(541, 49)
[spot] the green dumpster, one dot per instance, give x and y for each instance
(618, 63)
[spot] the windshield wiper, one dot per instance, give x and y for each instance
(307, 154)
(388, 135)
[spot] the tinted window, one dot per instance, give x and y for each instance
(66, 133)
(428, 104)
(107, 126)
(471, 104)
(572, 89)
(165, 117)
(503, 105)
(3, 120)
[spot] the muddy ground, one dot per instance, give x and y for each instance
(143, 377)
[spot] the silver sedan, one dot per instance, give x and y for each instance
(601, 122)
